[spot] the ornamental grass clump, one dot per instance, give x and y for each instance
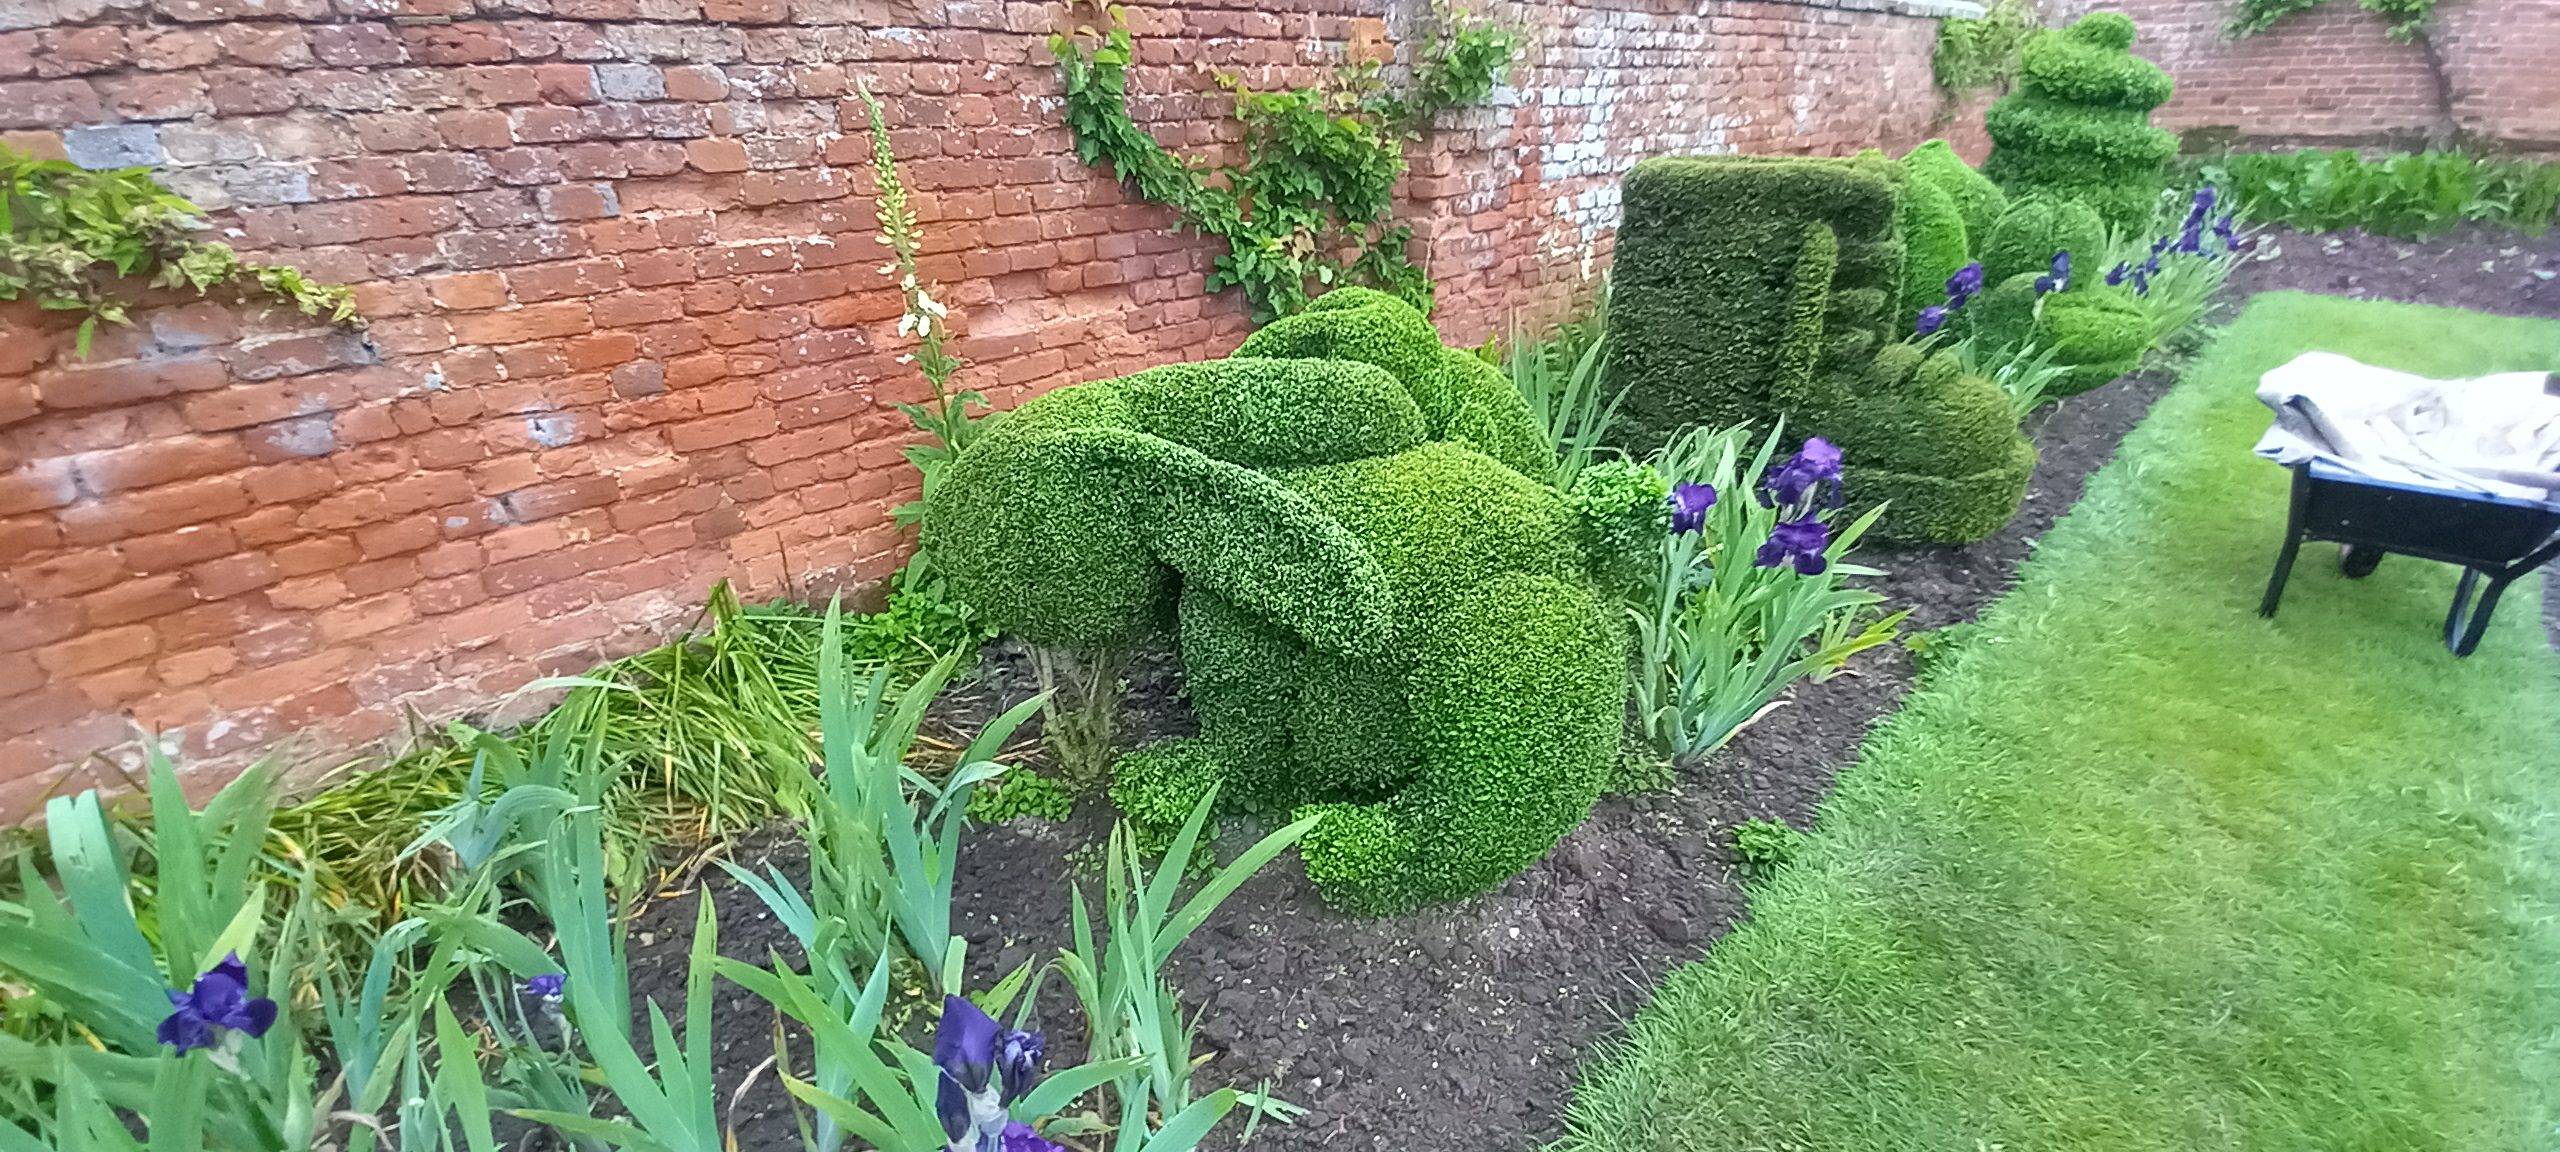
(1748, 594)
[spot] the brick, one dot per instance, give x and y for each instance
(113, 385)
(161, 461)
(531, 322)
(98, 649)
(719, 155)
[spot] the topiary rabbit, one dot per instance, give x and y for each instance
(1380, 617)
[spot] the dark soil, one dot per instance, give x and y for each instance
(1463, 1026)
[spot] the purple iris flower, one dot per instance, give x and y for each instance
(2141, 283)
(2116, 276)
(219, 1001)
(2059, 278)
(2202, 207)
(548, 989)
(1932, 319)
(2151, 267)
(1799, 542)
(1019, 1137)
(985, 1067)
(2162, 244)
(1689, 504)
(1965, 283)
(2191, 241)
(1816, 465)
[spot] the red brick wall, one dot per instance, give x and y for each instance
(2332, 74)
(628, 333)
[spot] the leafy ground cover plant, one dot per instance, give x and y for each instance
(76, 240)
(2125, 806)
(1749, 592)
(2407, 194)
(1764, 845)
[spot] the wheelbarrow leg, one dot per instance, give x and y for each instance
(2292, 544)
(2463, 635)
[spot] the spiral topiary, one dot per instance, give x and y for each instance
(2079, 123)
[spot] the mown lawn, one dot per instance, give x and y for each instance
(2135, 869)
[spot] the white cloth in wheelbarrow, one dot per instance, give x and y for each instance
(2496, 435)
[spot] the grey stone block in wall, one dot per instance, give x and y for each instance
(101, 146)
(630, 82)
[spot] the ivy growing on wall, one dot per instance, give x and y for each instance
(2407, 17)
(1308, 207)
(1982, 52)
(76, 240)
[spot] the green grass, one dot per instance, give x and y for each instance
(2135, 869)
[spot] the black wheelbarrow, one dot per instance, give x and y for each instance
(2496, 540)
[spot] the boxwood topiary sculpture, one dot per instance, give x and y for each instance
(1379, 618)
(1934, 244)
(2079, 123)
(2095, 333)
(1755, 288)
(2034, 229)
(1977, 199)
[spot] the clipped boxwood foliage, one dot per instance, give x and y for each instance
(2096, 333)
(2034, 229)
(1979, 201)
(2079, 123)
(1934, 244)
(1759, 288)
(1381, 618)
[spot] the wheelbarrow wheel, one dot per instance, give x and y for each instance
(2357, 562)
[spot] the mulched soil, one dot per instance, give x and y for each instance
(1463, 1026)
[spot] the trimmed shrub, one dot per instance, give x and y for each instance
(1380, 618)
(2079, 123)
(2033, 230)
(1933, 243)
(1976, 198)
(2094, 332)
(1750, 289)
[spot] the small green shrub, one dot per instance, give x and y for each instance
(1754, 289)
(1021, 795)
(2411, 195)
(1381, 614)
(2079, 124)
(1764, 846)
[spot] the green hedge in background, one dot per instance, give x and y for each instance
(2079, 123)
(1751, 289)
(1381, 617)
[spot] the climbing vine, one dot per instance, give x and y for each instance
(2407, 17)
(1982, 52)
(1310, 202)
(76, 240)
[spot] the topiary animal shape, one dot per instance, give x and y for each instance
(1750, 289)
(1379, 620)
(2079, 123)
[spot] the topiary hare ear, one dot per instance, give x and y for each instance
(1073, 535)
